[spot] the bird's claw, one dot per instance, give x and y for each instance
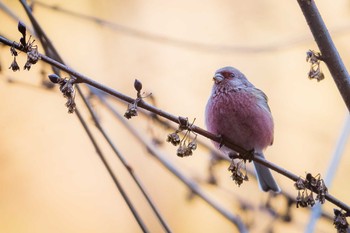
(221, 138)
(248, 155)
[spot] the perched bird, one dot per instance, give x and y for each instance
(239, 112)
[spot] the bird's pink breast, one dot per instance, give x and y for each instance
(240, 117)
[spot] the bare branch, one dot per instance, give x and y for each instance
(189, 183)
(328, 50)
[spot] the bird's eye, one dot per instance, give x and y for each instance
(232, 75)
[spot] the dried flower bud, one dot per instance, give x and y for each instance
(322, 191)
(299, 184)
(180, 151)
(312, 180)
(310, 200)
(68, 91)
(131, 111)
(21, 28)
(183, 123)
(312, 183)
(173, 138)
(137, 85)
(192, 145)
(340, 222)
(33, 55)
(315, 69)
(54, 78)
(14, 65)
(238, 175)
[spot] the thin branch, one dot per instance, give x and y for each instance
(145, 35)
(333, 164)
(328, 50)
(115, 180)
(161, 158)
(124, 162)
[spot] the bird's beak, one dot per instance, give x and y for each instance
(218, 78)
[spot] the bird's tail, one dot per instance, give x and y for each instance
(265, 178)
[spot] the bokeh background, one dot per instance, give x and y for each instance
(50, 177)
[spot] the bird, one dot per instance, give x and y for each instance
(238, 111)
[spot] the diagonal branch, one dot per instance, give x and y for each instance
(83, 79)
(188, 182)
(328, 50)
(124, 162)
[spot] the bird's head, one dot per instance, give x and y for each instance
(229, 76)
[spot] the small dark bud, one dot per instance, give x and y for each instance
(14, 66)
(312, 180)
(137, 85)
(22, 28)
(183, 123)
(54, 78)
(174, 139)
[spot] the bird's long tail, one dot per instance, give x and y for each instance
(265, 178)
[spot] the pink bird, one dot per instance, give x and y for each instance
(239, 112)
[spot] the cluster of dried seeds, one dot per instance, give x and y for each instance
(131, 111)
(187, 144)
(28, 46)
(314, 59)
(340, 223)
(306, 188)
(67, 89)
(239, 171)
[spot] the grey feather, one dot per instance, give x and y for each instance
(265, 178)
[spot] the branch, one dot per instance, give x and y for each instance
(83, 79)
(115, 179)
(124, 162)
(328, 50)
(182, 43)
(152, 149)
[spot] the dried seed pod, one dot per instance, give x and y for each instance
(54, 78)
(137, 85)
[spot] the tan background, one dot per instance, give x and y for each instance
(50, 177)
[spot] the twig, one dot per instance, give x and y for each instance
(331, 171)
(115, 180)
(182, 43)
(124, 162)
(189, 183)
(328, 50)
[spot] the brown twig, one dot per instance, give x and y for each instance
(329, 53)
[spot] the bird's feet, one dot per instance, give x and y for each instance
(248, 155)
(221, 140)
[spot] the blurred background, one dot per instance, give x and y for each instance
(50, 177)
